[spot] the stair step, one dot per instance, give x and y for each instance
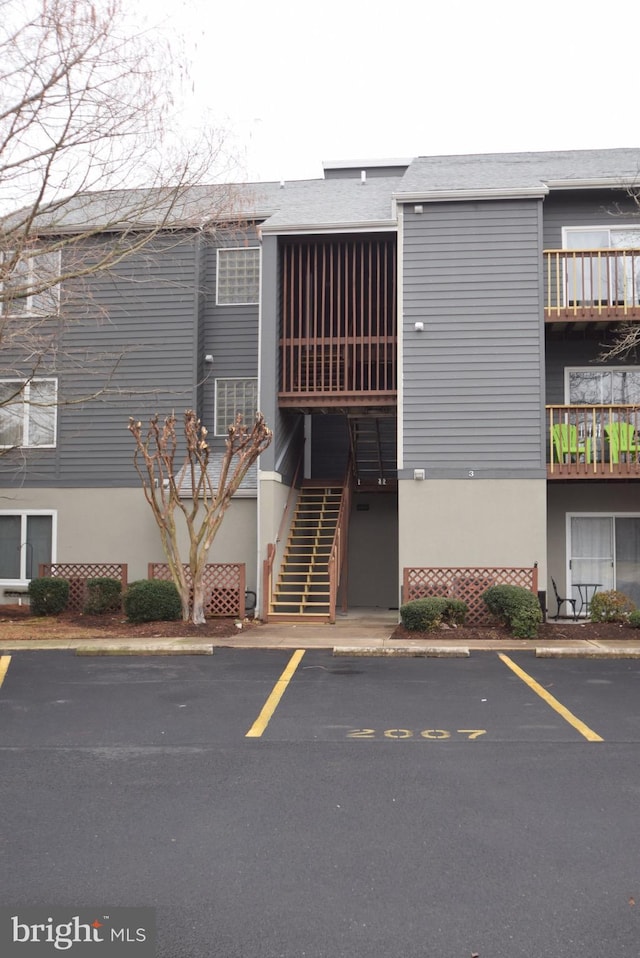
(302, 588)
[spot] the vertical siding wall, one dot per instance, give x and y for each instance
(474, 378)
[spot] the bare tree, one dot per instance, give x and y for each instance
(192, 491)
(91, 168)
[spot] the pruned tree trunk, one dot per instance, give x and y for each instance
(192, 492)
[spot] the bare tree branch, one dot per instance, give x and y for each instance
(190, 491)
(91, 169)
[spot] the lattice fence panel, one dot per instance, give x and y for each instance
(467, 584)
(77, 574)
(224, 585)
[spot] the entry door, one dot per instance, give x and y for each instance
(605, 549)
(591, 552)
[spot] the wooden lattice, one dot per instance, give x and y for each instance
(467, 584)
(224, 585)
(77, 573)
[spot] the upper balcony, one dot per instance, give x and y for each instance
(338, 337)
(592, 285)
(593, 442)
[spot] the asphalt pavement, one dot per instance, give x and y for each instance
(379, 809)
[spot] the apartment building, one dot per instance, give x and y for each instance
(428, 339)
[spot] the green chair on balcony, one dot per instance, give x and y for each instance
(567, 445)
(623, 440)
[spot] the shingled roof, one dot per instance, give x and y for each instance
(521, 171)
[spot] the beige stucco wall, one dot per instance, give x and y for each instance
(473, 522)
(116, 525)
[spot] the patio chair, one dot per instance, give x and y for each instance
(561, 602)
(567, 445)
(622, 439)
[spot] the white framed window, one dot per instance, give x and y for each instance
(602, 386)
(28, 413)
(31, 286)
(27, 538)
(602, 278)
(238, 276)
(235, 396)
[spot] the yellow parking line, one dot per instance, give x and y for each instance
(278, 691)
(4, 665)
(568, 716)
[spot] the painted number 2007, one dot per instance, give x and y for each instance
(433, 734)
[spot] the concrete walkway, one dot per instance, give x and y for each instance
(364, 632)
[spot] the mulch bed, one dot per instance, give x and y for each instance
(548, 632)
(16, 622)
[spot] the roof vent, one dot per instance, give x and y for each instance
(281, 184)
(363, 177)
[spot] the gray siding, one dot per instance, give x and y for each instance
(283, 422)
(586, 208)
(130, 342)
(473, 379)
(230, 332)
(581, 348)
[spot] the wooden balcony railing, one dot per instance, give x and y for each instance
(338, 338)
(593, 442)
(596, 284)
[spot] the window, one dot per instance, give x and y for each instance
(26, 540)
(28, 412)
(238, 276)
(235, 396)
(31, 286)
(612, 385)
(606, 278)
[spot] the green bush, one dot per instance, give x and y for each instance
(634, 619)
(152, 600)
(49, 595)
(518, 608)
(103, 595)
(424, 615)
(610, 606)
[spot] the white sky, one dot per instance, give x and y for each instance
(300, 82)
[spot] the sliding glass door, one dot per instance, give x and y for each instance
(605, 550)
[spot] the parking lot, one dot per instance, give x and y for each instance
(311, 696)
(279, 804)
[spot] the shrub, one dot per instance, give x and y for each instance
(610, 606)
(103, 595)
(49, 595)
(423, 615)
(634, 619)
(152, 600)
(518, 608)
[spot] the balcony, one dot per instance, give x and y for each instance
(338, 337)
(593, 442)
(601, 285)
